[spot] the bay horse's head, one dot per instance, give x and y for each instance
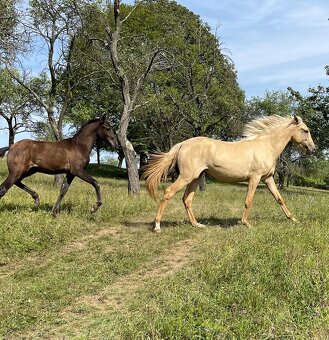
(302, 135)
(106, 133)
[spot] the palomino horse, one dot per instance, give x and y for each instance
(69, 156)
(251, 159)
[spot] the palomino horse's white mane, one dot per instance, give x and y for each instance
(264, 125)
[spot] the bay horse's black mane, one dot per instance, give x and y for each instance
(82, 127)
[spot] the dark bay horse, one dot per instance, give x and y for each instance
(251, 159)
(69, 156)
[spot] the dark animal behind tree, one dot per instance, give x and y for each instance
(69, 156)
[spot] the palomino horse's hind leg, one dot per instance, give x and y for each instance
(65, 186)
(276, 194)
(252, 185)
(178, 185)
(187, 200)
(34, 194)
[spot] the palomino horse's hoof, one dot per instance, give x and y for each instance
(156, 228)
(199, 225)
(247, 224)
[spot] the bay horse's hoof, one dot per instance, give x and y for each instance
(156, 230)
(95, 207)
(55, 213)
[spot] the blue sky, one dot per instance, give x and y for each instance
(273, 43)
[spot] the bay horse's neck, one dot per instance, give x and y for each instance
(86, 137)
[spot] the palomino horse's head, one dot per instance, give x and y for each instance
(302, 135)
(106, 133)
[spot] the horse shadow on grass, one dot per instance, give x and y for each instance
(224, 223)
(46, 207)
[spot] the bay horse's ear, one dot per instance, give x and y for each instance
(297, 119)
(103, 118)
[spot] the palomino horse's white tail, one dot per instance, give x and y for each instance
(158, 167)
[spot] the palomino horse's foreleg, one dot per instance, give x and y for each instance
(252, 186)
(276, 194)
(65, 186)
(87, 178)
(34, 194)
(187, 200)
(178, 185)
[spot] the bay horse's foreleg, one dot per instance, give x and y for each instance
(276, 194)
(187, 200)
(65, 186)
(89, 179)
(178, 185)
(34, 194)
(252, 186)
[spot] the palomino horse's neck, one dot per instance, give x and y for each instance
(86, 137)
(279, 139)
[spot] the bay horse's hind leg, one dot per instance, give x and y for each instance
(34, 194)
(65, 186)
(7, 184)
(178, 185)
(187, 200)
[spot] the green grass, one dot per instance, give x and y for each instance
(107, 276)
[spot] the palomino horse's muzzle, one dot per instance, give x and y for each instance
(309, 148)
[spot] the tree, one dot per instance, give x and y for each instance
(315, 108)
(193, 89)
(53, 23)
(15, 106)
(8, 22)
(130, 94)
(160, 72)
(123, 64)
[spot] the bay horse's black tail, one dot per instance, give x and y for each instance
(3, 151)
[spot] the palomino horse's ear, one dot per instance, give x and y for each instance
(297, 119)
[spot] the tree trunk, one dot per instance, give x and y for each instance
(121, 157)
(142, 159)
(131, 165)
(11, 137)
(98, 155)
(133, 175)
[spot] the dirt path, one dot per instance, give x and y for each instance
(115, 297)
